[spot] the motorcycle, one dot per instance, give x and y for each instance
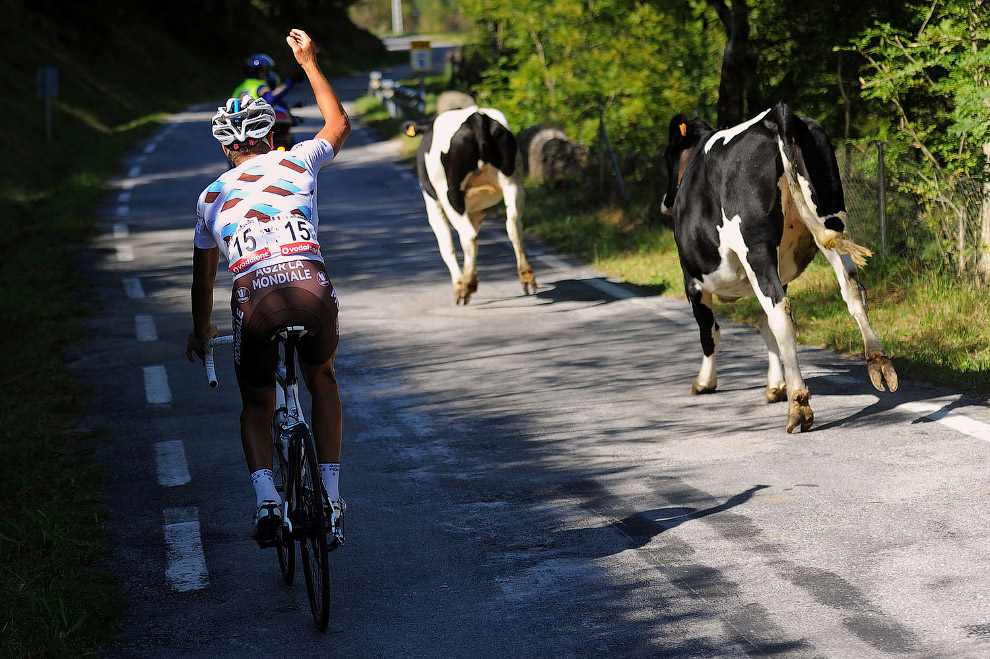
(285, 121)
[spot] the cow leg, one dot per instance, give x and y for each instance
(777, 307)
(467, 231)
(878, 364)
(441, 228)
(515, 197)
(701, 304)
(776, 384)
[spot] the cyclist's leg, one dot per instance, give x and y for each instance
(321, 381)
(257, 408)
(254, 366)
(327, 423)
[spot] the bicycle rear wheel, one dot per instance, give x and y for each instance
(286, 548)
(313, 536)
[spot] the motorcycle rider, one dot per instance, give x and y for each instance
(262, 81)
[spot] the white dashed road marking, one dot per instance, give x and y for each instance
(144, 327)
(156, 385)
(125, 253)
(170, 458)
(151, 147)
(133, 287)
(134, 171)
(120, 231)
(185, 567)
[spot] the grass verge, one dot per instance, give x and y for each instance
(59, 600)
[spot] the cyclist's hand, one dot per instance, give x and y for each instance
(195, 344)
(302, 46)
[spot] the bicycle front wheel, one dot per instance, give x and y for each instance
(313, 537)
(286, 548)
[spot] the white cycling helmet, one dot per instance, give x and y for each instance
(242, 119)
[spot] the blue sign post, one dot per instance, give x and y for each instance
(48, 89)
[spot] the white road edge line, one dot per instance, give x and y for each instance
(156, 385)
(958, 422)
(185, 566)
(133, 287)
(170, 458)
(144, 327)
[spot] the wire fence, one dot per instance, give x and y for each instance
(887, 217)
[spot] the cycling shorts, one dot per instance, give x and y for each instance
(293, 293)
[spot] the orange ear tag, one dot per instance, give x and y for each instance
(411, 131)
(683, 128)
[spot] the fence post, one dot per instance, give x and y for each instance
(882, 176)
(611, 153)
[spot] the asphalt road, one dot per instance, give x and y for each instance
(525, 476)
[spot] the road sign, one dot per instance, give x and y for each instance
(420, 57)
(47, 81)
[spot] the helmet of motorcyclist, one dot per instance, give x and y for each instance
(243, 119)
(258, 66)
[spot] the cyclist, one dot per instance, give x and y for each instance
(262, 81)
(261, 216)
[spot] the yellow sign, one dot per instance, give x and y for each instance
(420, 57)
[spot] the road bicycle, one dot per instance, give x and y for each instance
(297, 478)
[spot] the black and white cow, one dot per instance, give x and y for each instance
(467, 162)
(751, 206)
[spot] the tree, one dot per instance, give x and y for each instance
(738, 82)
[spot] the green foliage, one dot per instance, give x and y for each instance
(934, 78)
(562, 62)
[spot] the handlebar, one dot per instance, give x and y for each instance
(211, 373)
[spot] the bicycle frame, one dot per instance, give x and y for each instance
(288, 409)
(287, 391)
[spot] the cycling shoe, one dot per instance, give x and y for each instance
(333, 513)
(267, 524)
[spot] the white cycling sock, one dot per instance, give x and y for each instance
(264, 486)
(329, 474)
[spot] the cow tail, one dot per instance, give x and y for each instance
(800, 188)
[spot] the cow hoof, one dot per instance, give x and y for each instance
(799, 413)
(881, 368)
(775, 395)
(463, 289)
(698, 389)
(528, 280)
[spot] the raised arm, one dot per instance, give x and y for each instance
(336, 125)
